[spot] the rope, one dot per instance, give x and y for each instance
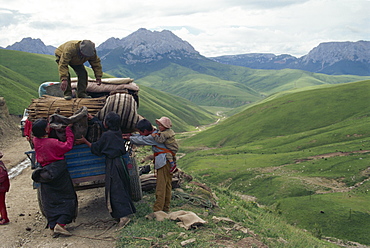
(76, 104)
(108, 238)
(106, 229)
(195, 200)
(51, 106)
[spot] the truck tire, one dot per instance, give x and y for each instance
(135, 183)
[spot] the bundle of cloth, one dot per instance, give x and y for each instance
(108, 86)
(58, 123)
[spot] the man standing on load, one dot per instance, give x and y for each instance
(75, 53)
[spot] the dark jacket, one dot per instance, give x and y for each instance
(69, 54)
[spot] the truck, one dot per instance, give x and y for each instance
(86, 169)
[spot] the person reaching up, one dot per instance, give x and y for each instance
(58, 196)
(163, 189)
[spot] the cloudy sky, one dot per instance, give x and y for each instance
(212, 27)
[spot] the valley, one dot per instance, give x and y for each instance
(291, 156)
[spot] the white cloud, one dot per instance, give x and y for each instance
(213, 27)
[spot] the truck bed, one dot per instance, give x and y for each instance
(83, 166)
(88, 170)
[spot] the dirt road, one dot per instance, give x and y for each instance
(93, 227)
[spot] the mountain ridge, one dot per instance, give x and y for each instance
(332, 58)
(144, 46)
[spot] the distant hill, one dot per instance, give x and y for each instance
(320, 109)
(21, 74)
(332, 58)
(163, 61)
(213, 84)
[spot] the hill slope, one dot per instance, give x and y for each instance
(305, 155)
(199, 88)
(184, 114)
(21, 74)
(290, 114)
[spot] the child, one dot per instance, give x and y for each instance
(167, 136)
(4, 187)
(58, 197)
(163, 189)
(117, 180)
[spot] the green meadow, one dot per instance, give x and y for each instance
(305, 155)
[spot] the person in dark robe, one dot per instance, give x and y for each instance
(58, 196)
(117, 180)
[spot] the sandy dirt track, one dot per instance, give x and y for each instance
(93, 227)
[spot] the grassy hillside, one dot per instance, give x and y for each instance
(36, 67)
(234, 222)
(21, 74)
(270, 81)
(208, 83)
(200, 88)
(306, 155)
(16, 89)
(185, 115)
(290, 114)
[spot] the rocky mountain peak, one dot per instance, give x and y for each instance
(332, 52)
(109, 44)
(149, 44)
(31, 45)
